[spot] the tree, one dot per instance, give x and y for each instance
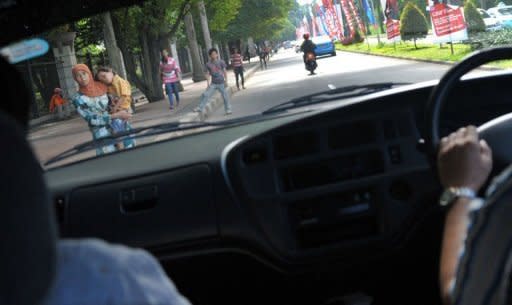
(474, 20)
(260, 19)
(413, 23)
(142, 32)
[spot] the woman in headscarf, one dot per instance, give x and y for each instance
(91, 102)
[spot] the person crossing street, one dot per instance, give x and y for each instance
(216, 80)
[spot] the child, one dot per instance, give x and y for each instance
(57, 102)
(169, 73)
(119, 91)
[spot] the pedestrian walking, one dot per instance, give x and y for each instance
(248, 54)
(216, 80)
(263, 57)
(238, 67)
(120, 100)
(91, 102)
(169, 73)
(59, 104)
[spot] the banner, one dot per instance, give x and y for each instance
(349, 17)
(340, 20)
(392, 16)
(369, 11)
(322, 27)
(314, 24)
(335, 29)
(393, 30)
(449, 24)
(359, 20)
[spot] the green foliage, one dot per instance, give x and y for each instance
(260, 19)
(474, 21)
(221, 13)
(413, 23)
(288, 32)
(89, 33)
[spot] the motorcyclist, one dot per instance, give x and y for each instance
(307, 47)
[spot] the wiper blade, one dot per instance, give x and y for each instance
(148, 131)
(329, 95)
(134, 133)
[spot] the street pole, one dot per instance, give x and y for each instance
(197, 71)
(35, 108)
(204, 25)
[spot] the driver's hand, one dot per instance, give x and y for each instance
(464, 160)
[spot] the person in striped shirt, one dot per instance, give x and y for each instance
(238, 67)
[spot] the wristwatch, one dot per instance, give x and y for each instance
(452, 193)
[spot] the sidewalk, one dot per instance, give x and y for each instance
(50, 139)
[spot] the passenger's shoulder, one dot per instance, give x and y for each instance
(116, 273)
(118, 254)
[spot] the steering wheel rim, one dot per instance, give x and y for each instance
(447, 83)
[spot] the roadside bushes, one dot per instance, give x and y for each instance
(484, 40)
(413, 23)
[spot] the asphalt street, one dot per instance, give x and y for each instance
(286, 78)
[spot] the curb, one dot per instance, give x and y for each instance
(216, 102)
(431, 61)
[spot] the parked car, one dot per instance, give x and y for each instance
(324, 46)
(491, 23)
(503, 14)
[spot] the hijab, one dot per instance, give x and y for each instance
(94, 88)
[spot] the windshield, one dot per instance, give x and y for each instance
(123, 74)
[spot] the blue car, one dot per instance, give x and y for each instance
(324, 46)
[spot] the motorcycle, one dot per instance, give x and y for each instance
(311, 64)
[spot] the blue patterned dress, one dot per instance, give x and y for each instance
(94, 110)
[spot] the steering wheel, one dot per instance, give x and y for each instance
(483, 276)
(497, 132)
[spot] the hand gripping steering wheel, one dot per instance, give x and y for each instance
(483, 275)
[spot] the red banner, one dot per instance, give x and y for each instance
(447, 20)
(393, 29)
(358, 18)
(349, 16)
(332, 19)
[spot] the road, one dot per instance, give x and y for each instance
(286, 78)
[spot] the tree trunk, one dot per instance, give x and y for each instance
(415, 46)
(150, 57)
(204, 25)
(129, 61)
(197, 69)
(114, 54)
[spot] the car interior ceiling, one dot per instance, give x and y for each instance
(290, 210)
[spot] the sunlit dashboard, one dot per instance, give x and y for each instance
(343, 182)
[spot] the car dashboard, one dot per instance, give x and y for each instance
(339, 185)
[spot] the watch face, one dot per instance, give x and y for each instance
(447, 197)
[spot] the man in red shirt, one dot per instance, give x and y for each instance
(238, 67)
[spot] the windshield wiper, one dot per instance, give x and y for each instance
(138, 133)
(333, 94)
